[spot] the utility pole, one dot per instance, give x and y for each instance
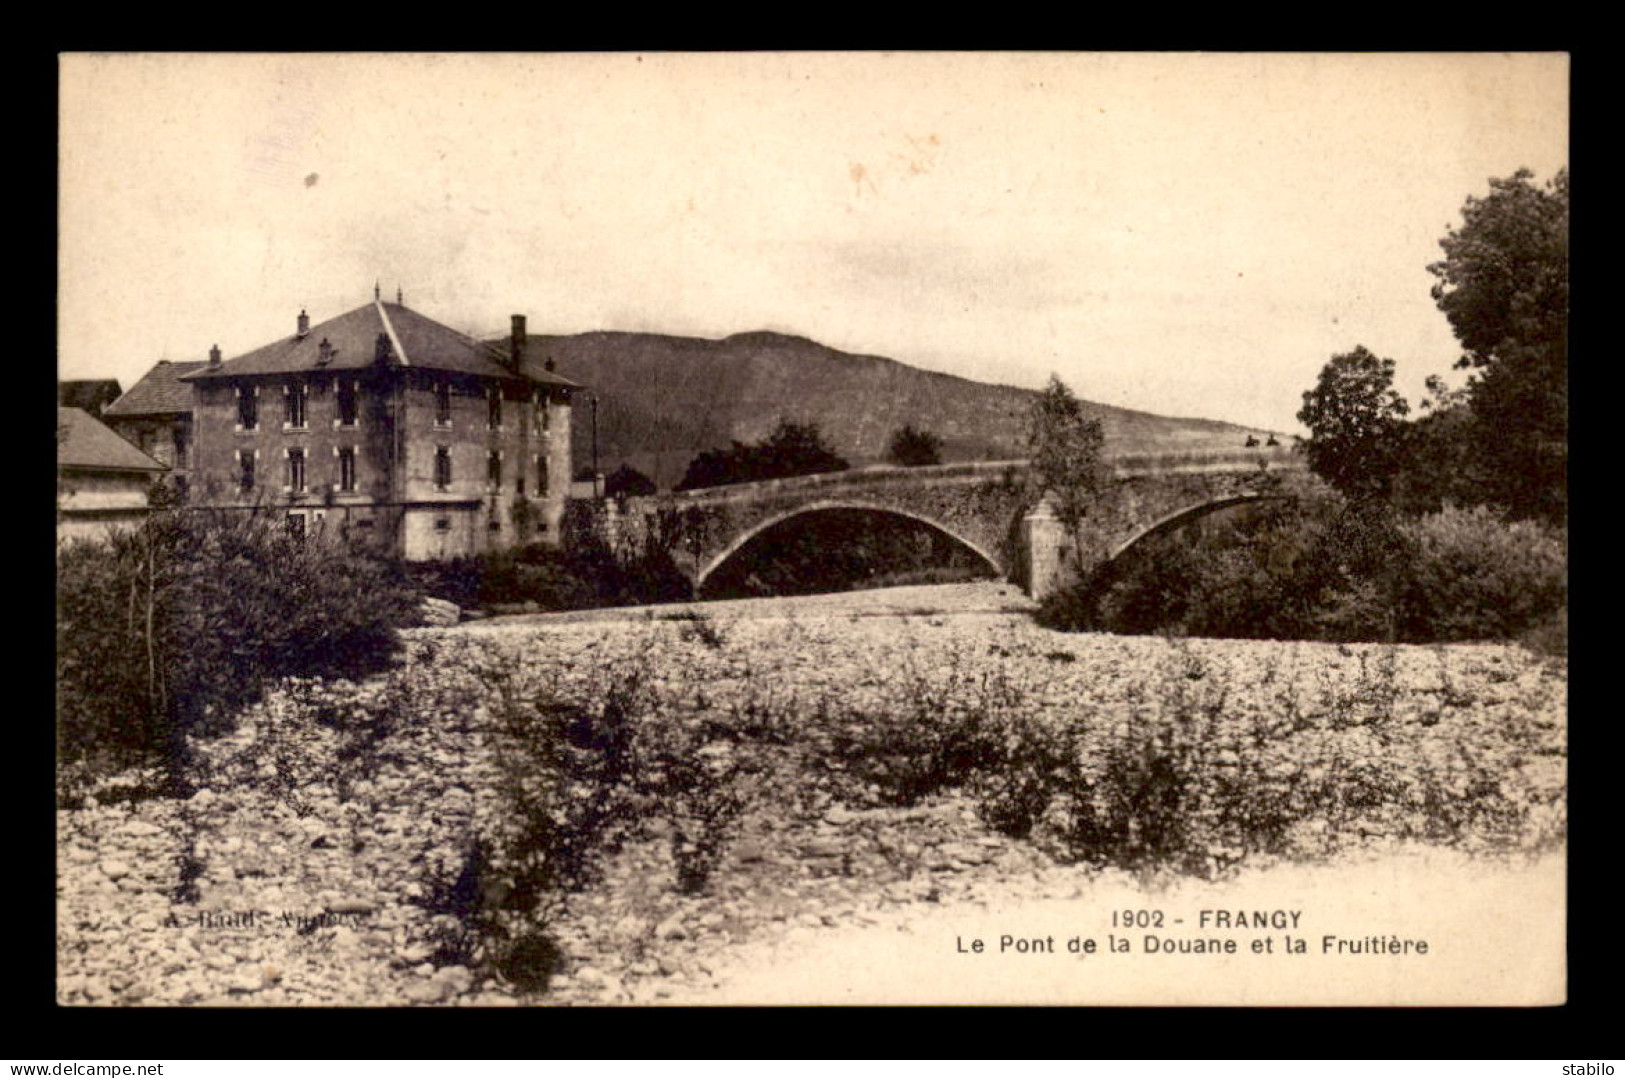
(597, 489)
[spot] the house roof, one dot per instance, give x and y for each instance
(86, 442)
(159, 392)
(415, 341)
(91, 394)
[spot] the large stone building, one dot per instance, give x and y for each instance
(388, 427)
(102, 481)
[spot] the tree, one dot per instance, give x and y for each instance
(797, 449)
(1356, 424)
(627, 481)
(1504, 286)
(913, 448)
(792, 449)
(1067, 457)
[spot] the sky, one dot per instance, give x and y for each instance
(1187, 234)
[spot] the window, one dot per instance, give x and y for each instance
(245, 470)
(442, 524)
(180, 448)
(541, 477)
(295, 395)
(442, 404)
(347, 468)
(493, 469)
(493, 418)
(542, 408)
(296, 525)
(296, 471)
(248, 407)
(348, 410)
(442, 467)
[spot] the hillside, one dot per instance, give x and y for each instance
(662, 400)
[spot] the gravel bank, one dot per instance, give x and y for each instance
(241, 898)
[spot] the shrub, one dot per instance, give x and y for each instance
(1476, 576)
(579, 579)
(1337, 572)
(913, 448)
(947, 728)
(168, 629)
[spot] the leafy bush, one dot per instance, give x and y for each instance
(1203, 771)
(1332, 571)
(792, 449)
(913, 448)
(1476, 576)
(168, 629)
(579, 579)
(947, 729)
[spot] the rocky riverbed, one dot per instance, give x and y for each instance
(309, 889)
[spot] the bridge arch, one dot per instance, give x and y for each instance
(1184, 516)
(740, 541)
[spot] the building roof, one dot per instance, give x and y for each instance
(159, 392)
(83, 441)
(92, 394)
(415, 341)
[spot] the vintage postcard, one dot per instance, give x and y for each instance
(839, 528)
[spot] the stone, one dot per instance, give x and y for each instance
(141, 829)
(352, 905)
(114, 870)
(251, 980)
(426, 992)
(823, 847)
(671, 929)
(455, 980)
(748, 853)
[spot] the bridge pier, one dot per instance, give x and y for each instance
(1047, 551)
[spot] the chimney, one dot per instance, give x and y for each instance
(516, 344)
(381, 352)
(304, 324)
(214, 357)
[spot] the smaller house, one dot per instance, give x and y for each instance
(101, 480)
(155, 416)
(92, 395)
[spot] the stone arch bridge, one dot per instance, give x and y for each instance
(991, 507)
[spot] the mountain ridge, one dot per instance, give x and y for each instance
(663, 399)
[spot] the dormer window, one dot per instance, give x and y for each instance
(296, 395)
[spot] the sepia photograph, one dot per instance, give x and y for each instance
(812, 528)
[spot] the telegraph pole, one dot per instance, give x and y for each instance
(597, 490)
